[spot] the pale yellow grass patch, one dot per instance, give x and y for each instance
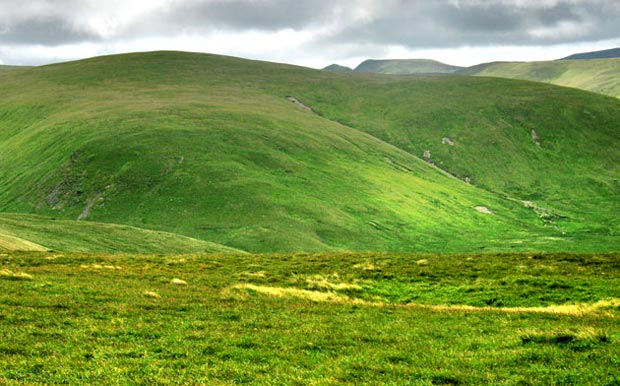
(255, 274)
(176, 281)
(315, 296)
(367, 266)
(6, 273)
(323, 283)
(99, 266)
(319, 296)
(422, 262)
(151, 294)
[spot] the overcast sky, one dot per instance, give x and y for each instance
(312, 33)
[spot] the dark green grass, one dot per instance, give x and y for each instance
(209, 147)
(77, 322)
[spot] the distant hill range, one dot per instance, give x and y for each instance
(338, 68)
(400, 67)
(4, 68)
(604, 54)
(600, 74)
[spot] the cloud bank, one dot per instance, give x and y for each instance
(299, 31)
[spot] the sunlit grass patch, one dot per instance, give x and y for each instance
(331, 282)
(284, 292)
(151, 294)
(10, 275)
(100, 267)
(259, 274)
(367, 266)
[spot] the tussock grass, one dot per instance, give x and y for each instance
(9, 275)
(332, 297)
(151, 294)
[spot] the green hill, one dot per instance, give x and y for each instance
(5, 69)
(611, 53)
(36, 233)
(406, 67)
(267, 157)
(337, 68)
(597, 75)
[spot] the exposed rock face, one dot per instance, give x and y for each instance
(297, 103)
(447, 141)
(535, 137)
(483, 209)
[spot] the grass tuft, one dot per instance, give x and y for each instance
(151, 294)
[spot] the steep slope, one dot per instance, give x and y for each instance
(406, 67)
(597, 75)
(266, 157)
(557, 149)
(44, 233)
(603, 54)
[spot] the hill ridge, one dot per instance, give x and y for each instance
(213, 150)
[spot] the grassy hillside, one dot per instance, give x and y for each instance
(6, 69)
(406, 67)
(266, 157)
(597, 75)
(327, 319)
(36, 233)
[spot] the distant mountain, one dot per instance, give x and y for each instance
(406, 67)
(338, 68)
(598, 75)
(4, 68)
(604, 54)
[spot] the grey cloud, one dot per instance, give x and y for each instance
(346, 26)
(427, 24)
(248, 14)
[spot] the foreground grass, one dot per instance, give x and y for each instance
(309, 319)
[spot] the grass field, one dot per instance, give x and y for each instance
(328, 319)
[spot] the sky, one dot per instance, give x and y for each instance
(312, 33)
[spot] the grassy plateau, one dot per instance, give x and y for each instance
(321, 319)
